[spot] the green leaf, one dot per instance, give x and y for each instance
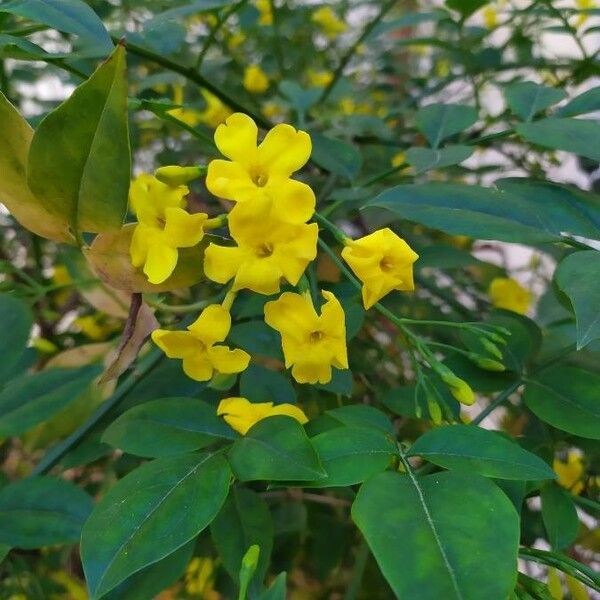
(578, 276)
(472, 449)
(79, 160)
(441, 256)
(526, 98)
(41, 511)
(425, 159)
(152, 580)
(256, 337)
(466, 7)
(433, 538)
(440, 121)
(579, 136)
(341, 383)
(33, 398)
(191, 8)
(17, 321)
(336, 156)
(150, 513)
(278, 589)
(361, 415)
(259, 384)
(567, 398)
(275, 449)
(351, 455)
(166, 427)
(70, 16)
(477, 212)
(20, 48)
(300, 98)
(587, 102)
(559, 516)
(243, 521)
(15, 139)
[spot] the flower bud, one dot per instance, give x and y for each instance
(434, 409)
(462, 392)
(174, 175)
(491, 348)
(488, 364)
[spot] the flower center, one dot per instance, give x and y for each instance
(264, 250)
(259, 177)
(316, 336)
(386, 264)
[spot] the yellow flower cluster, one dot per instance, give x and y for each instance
(328, 21)
(272, 242)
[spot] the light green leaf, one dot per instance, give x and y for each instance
(579, 136)
(15, 139)
(559, 516)
(150, 513)
(275, 449)
(474, 450)
(32, 398)
(70, 16)
(440, 121)
(567, 398)
(243, 521)
(79, 159)
(526, 98)
(587, 102)
(41, 511)
(191, 8)
(351, 455)
(277, 590)
(336, 156)
(166, 427)
(300, 98)
(17, 321)
(433, 539)
(425, 159)
(578, 276)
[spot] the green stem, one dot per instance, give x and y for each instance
(195, 132)
(352, 50)
(358, 571)
(586, 503)
(500, 399)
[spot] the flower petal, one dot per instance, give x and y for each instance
(229, 180)
(183, 230)
(289, 410)
(308, 372)
(140, 241)
(198, 367)
(284, 150)
(261, 275)
(236, 138)
(292, 315)
(176, 344)
(226, 360)
(293, 201)
(160, 262)
(212, 325)
(221, 263)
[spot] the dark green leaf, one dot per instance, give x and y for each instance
(41, 511)
(17, 321)
(301, 99)
(361, 415)
(472, 449)
(341, 383)
(559, 516)
(466, 7)
(263, 385)
(351, 455)
(336, 156)
(31, 399)
(70, 16)
(167, 427)
(150, 513)
(425, 159)
(578, 276)
(526, 99)
(587, 102)
(278, 589)
(243, 521)
(567, 398)
(579, 136)
(191, 8)
(440, 121)
(257, 338)
(433, 538)
(276, 449)
(477, 212)
(440, 256)
(79, 160)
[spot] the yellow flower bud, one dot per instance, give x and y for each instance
(175, 175)
(487, 364)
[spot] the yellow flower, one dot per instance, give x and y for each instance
(490, 17)
(196, 346)
(267, 250)
(264, 8)
(241, 415)
(255, 79)
(319, 78)
(328, 21)
(163, 226)
(398, 159)
(311, 343)
(383, 262)
(272, 110)
(442, 67)
(509, 294)
(583, 5)
(215, 112)
(236, 39)
(570, 473)
(262, 171)
(96, 327)
(200, 576)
